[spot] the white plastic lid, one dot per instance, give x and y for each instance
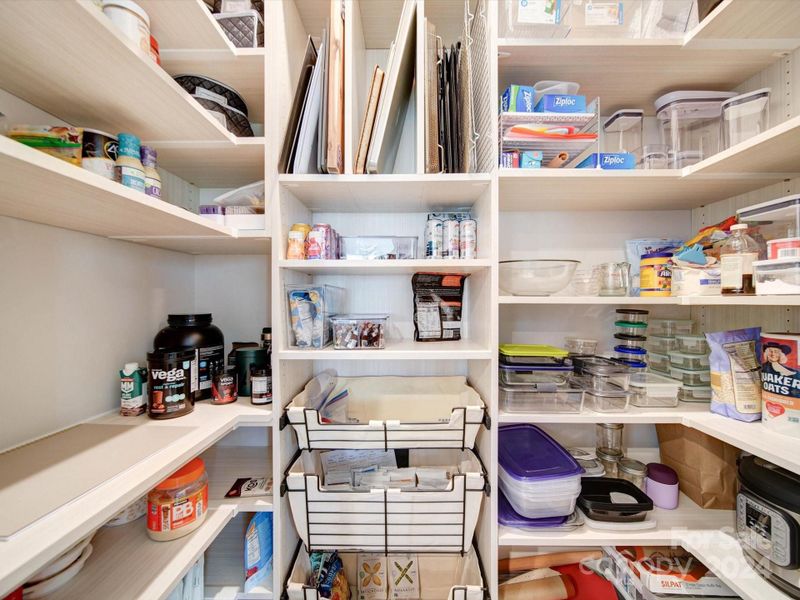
(746, 104)
(130, 367)
(624, 119)
(777, 262)
(691, 96)
(131, 6)
(786, 208)
(739, 227)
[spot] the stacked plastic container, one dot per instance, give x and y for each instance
(539, 480)
(630, 337)
(537, 378)
(681, 355)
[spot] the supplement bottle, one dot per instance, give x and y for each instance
(152, 180)
(128, 169)
(736, 262)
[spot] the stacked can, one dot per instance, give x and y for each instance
(451, 236)
(468, 238)
(433, 238)
(451, 239)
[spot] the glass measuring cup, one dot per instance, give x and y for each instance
(615, 278)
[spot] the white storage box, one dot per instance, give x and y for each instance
(393, 412)
(450, 576)
(777, 277)
(388, 520)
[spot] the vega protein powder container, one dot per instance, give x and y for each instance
(195, 332)
(170, 392)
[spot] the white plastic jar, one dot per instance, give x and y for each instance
(131, 20)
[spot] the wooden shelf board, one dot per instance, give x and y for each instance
(775, 21)
(398, 350)
(24, 553)
(127, 564)
(117, 89)
(226, 464)
(383, 267)
(214, 164)
(184, 25)
(386, 193)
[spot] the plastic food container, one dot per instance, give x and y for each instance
(575, 345)
(630, 341)
(688, 393)
(607, 401)
(506, 515)
(564, 399)
(625, 328)
(310, 308)
(358, 332)
(658, 362)
(378, 248)
(607, 19)
(538, 476)
(661, 344)
(692, 344)
(601, 374)
(588, 461)
(745, 116)
(687, 377)
(632, 315)
(178, 505)
(536, 277)
(526, 376)
(671, 327)
(596, 501)
(691, 362)
(630, 354)
(532, 354)
(777, 277)
(653, 391)
(689, 122)
(655, 156)
(780, 216)
(635, 366)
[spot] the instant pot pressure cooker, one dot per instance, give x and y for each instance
(768, 522)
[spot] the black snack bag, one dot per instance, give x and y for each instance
(438, 302)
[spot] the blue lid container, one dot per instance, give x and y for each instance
(528, 454)
(631, 353)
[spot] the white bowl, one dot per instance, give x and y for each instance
(536, 277)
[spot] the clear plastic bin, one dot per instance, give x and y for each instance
(608, 401)
(690, 362)
(779, 218)
(777, 277)
(653, 391)
(521, 376)
(566, 399)
(671, 327)
(694, 393)
(745, 116)
(692, 378)
(622, 134)
(689, 122)
(692, 344)
(575, 345)
(658, 362)
(309, 312)
(534, 18)
(601, 374)
(359, 332)
(605, 18)
(661, 344)
(625, 328)
(376, 247)
(632, 315)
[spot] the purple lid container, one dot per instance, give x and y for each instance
(528, 454)
(212, 209)
(507, 516)
(148, 155)
(662, 474)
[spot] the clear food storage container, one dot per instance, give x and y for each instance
(532, 354)
(745, 116)
(632, 315)
(377, 247)
(691, 344)
(691, 362)
(626, 328)
(630, 354)
(779, 218)
(358, 332)
(671, 327)
(605, 18)
(689, 122)
(651, 391)
(575, 345)
(622, 135)
(630, 341)
(607, 401)
(537, 19)
(601, 374)
(687, 377)
(658, 362)
(655, 156)
(777, 277)
(520, 399)
(588, 461)
(661, 344)
(524, 376)
(309, 312)
(694, 393)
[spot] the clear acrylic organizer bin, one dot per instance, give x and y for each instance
(309, 309)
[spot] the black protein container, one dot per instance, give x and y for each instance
(195, 332)
(169, 391)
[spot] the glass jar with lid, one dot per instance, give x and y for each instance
(610, 459)
(632, 470)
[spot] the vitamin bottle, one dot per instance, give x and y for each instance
(128, 169)
(152, 180)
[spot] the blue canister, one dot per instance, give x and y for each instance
(128, 169)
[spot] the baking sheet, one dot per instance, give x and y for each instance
(38, 478)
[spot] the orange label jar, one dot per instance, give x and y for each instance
(655, 274)
(178, 505)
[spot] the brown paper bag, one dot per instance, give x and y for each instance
(706, 466)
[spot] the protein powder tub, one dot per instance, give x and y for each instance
(178, 505)
(170, 392)
(195, 332)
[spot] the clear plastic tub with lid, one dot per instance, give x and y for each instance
(692, 344)
(541, 398)
(376, 247)
(658, 362)
(779, 218)
(671, 327)
(661, 344)
(532, 354)
(630, 341)
(777, 277)
(695, 393)
(524, 376)
(630, 354)
(576, 345)
(691, 362)
(632, 315)
(626, 328)
(745, 116)
(607, 401)
(359, 332)
(653, 391)
(691, 378)
(689, 122)
(601, 374)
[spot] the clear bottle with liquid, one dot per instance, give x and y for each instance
(736, 262)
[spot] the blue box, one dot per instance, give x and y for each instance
(609, 161)
(561, 103)
(517, 98)
(530, 159)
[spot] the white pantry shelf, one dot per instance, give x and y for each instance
(633, 415)
(23, 554)
(184, 25)
(127, 565)
(207, 164)
(384, 267)
(398, 350)
(647, 301)
(226, 464)
(386, 193)
(741, 21)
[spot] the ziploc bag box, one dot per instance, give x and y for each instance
(561, 103)
(517, 98)
(609, 161)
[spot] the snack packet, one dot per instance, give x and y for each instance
(736, 373)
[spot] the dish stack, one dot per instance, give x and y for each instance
(630, 337)
(539, 480)
(681, 355)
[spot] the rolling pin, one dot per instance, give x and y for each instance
(558, 160)
(551, 588)
(555, 559)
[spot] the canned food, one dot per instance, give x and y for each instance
(433, 238)
(468, 238)
(451, 247)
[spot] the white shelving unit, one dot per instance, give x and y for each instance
(185, 262)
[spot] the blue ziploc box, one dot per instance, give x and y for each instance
(561, 103)
(510, 160)
(609, 161)
(517, 98)
(530, 159)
